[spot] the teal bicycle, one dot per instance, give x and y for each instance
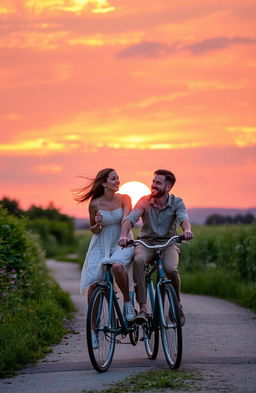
(163, 310)
(105, 322)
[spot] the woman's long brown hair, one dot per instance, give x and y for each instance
(95, 188)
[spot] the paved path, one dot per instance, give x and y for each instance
(219, 345)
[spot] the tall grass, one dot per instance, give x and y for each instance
(220, 261)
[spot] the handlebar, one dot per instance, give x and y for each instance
(173, 239)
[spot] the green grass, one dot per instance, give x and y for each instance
(223, 285)
(30, 326)
(156, 380)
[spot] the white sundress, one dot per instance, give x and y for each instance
(104, 249)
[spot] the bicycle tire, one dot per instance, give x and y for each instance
(171, 333)
(150, 333)
(97, 321)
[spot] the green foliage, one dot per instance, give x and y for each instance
(220, 284)
(54, 228)
(220, 261)
(231, 248)
(31, 315)
(83, 240)
(51, 213)
(218, 219)
(53, 234)
(20, 256)
(11, 206)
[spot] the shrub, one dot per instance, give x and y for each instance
(31, 315)
(53, 234)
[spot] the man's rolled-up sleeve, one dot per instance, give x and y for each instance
(181, 211)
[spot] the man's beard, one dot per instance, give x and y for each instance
(159, 193)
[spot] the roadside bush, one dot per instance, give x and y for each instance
(33, 305)
(53, 234)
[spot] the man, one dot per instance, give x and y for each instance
(160, 212)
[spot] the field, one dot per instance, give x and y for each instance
(219, 261)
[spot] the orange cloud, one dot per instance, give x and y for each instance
(74, 6)
(48, 168)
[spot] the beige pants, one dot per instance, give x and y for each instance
(144, 256)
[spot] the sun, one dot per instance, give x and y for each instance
(135, 190)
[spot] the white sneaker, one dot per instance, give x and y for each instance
(182, 316)
(95, 339)
(129, 312)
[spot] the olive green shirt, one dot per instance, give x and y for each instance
(159, 224)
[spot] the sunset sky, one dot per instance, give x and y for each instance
(135, 85)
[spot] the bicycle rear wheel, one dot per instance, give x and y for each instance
(99, 330)
(150, 333)
(170, 327)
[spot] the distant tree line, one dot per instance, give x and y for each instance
(218, 219)
(55, 229)
(50, 212)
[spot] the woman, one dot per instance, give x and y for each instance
(107, 210)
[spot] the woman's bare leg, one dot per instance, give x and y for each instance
(121, 278)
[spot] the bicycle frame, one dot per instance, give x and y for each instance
(164, 308)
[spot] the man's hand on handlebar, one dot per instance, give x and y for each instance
(188, 235)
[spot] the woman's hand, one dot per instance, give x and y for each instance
(123, 241)
(96, 228)
(98, 218)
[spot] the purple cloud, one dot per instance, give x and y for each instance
(215, 43)
(147, 49)
(158, 50)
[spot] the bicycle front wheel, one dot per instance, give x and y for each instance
(100, 330)
(170, 326)
(150, 332)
